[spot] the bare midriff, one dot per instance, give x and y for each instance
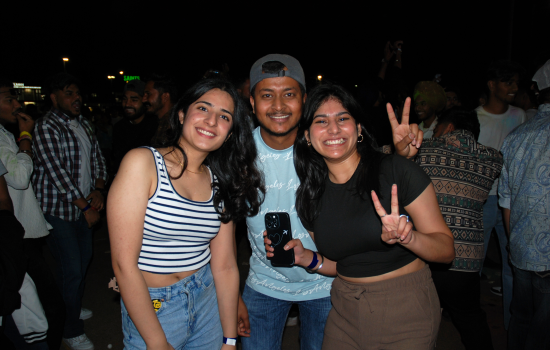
(414, 266)
(155, 280)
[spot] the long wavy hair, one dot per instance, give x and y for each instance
(239, 184)
(310, 165)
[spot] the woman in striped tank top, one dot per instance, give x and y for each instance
(170, 215)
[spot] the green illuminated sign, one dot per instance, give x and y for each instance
(131, 77)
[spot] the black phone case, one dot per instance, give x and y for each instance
(277, 225)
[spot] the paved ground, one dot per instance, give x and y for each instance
(104, 328)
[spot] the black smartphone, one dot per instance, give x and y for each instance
(277, 225)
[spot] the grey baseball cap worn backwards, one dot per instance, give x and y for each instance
(294, 69)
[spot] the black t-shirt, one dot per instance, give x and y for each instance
(127, 136)
(348, 229)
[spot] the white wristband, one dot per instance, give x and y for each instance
(230, 341)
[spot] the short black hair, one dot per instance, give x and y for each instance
(504, 70)
(165, 83)
(273, 67)
(59, 82)
(462, 119)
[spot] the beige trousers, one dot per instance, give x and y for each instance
(400, 313)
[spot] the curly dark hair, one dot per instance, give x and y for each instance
(310, 165)
(239, 184)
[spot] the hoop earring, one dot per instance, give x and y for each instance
(360, 136)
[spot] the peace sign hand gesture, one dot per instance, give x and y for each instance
(406, 138)
(395, 228)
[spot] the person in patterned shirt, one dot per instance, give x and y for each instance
(524, 195)
(69, 182)
(462, 172)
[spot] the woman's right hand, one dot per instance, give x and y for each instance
(302, 256)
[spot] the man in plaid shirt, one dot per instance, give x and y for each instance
(69, 181)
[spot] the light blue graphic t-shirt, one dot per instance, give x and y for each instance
(281, 181)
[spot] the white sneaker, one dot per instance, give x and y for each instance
(79, 343)
(85, 314)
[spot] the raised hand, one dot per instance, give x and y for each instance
(395, 228)
(397, 45)
(388, 52)
(406, 138)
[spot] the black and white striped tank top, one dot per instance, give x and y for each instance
(177, 231)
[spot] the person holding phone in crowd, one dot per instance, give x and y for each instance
(170, 215)
(359, 205)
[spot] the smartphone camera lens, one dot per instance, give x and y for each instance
(272, 221)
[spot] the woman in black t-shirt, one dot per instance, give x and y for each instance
(360, 205)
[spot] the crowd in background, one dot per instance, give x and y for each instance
(479, 156)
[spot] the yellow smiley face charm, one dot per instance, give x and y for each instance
(156, 304)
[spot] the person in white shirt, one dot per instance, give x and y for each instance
(497, 118)
(18, 160)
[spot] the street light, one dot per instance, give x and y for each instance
(110, 77)
(121, 72)
(65, 59)
(319, 77)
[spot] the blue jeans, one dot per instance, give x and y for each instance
(530, 323)
(268, 317)
(70, 243)
(492, 218)
(187, 312)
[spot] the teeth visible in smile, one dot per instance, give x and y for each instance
(204, 132)
(280, 117)
(334, 142)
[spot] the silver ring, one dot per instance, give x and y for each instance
(384, 215)
(404, 216)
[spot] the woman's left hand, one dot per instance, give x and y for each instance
(395, 228)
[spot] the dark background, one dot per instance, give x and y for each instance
(343, 42)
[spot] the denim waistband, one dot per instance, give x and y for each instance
(203, 275)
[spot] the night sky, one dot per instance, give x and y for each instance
(344, 43)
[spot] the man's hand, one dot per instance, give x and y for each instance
(302, 256)
(92, 217)
(243, 323)
(406, 138)
(97, 199)
(25, 123)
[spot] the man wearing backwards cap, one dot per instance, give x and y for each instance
(277, 94)
(137, 128)
(524, 194)
(429, 100)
